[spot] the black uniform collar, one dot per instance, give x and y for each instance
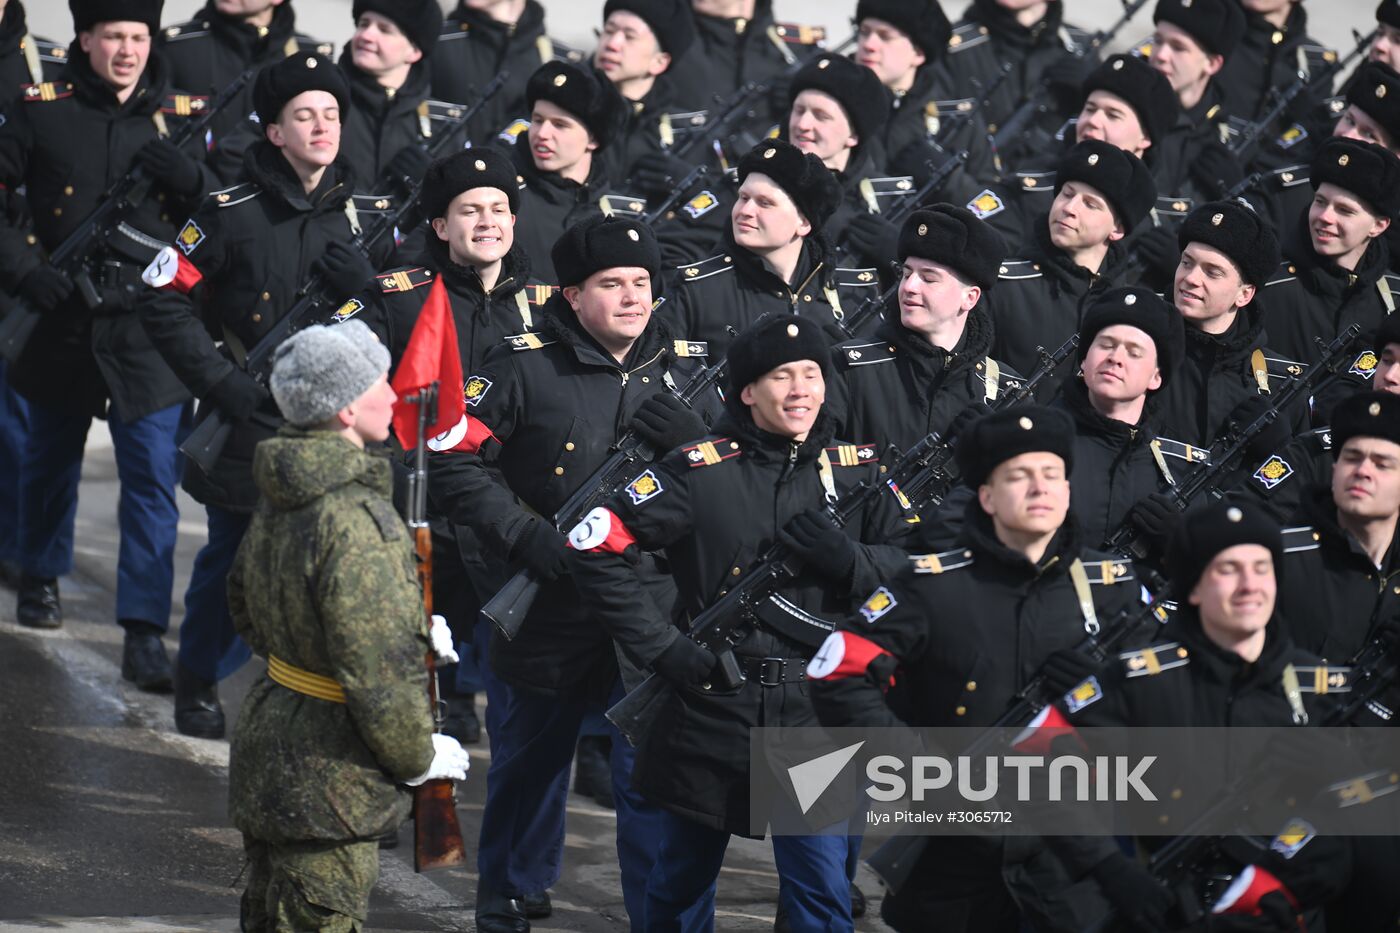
(1319, 510)
(264, 164)
(973, 345)
(1225, 667)
(526, 29)
(515, 270)
(764, 445)
(1004, 26)
(1245, 335)
(1259, 32)
(1209, 109)
(1061, 269)
(150, 91)
(239, 33)
(552, 186)
(1324, 276)
(1074, 398)
(371, 99)
(660, 98)
(979, 535)
(560, 323)
(726, 28)
(816, 257)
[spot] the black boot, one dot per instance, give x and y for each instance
(593, 771)
(536, 906)
(38, 605)
(461, 722)
(497, 912)
(144, 661)
(10, 574)
(197, 709)
(857, 902)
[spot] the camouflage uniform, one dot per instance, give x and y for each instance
(325, 582)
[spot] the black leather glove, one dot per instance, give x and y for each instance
(684, 663)
(345, 270)
(1159, 253)
(410, 162)
(965, 418)
(665, 422)
(237, 395)
(543, 550)
(45, 287)
(1277, 916)
(1216, 170)
(1139, 899)
(657, 173)
(814, 537)
(1275, 436)
(1156, 517)
(873, 238)
(174, 169)
(1068, 668)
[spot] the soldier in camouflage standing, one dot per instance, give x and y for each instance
(324, 588)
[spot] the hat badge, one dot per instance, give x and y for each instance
(1217, 220)
(1118, 65)
(1186, 4)
(634, 236)
(1094, 158)
(1234, 514)
(769, 153)
(480, 165)
(1026, 423)
(1343, 160)
(792, 330)
(923, 229)
(1130, 300)
(1380, 90)
(824, 63)
(1374, 409)
(561, 80)
(311, 63)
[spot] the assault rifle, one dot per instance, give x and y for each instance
(871, 307)
(508, 608)
(1038, 102)
(314, 300)
(437, 836)
(1244, 145)
(732, 110)
(677, 195)
(106, 223)
(1128, 539)
(895, 859)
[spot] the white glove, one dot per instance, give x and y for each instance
(441, 637)
(449, 761)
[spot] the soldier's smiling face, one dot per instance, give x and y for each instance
(118, 51)
(1027, 495)
(1208, 288)
(819, 125)
(379, 45)
(1236, 593)
(764, 217)
(932, 296)
(787, 399)
(308, 129)
(478, 227)
(1341, 225)
(888, 51)
(614, 306)
(1108, 117)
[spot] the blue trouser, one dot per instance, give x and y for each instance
(14, 433)
(148, 467)
(209, 647)
(814, 887)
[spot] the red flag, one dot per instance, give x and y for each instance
(432, 356)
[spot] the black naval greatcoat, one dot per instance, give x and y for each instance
(253, 246)
(209, 51)
(78, 358)
(713, 507)
(543, 413)
(895, 387)
(735, 289)
(1268, 60)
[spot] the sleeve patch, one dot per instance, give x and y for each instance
(1086, 693)
(348, 310)
(1295, 835)
(475, 390)
(1273, 472)
(644, 488)
(1365, 364)
(878, 606)
(511, 133)
(701, 204)
(986, 204)
(601, 530)
(189, 237)
(842, 655)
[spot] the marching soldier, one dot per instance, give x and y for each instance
(234, 270)
(1224, 660)
(776, 256)
(1274, 50)
(775, 457)
(484, 38)
(1101, 192)
(1339, 274)
(1130, 347)
(471, 199)
(933, 356)
(88, 356)
(543, 413)
(225, 39)
(1228, 252)
(324, 588)
(1037, 587)
(575, 114)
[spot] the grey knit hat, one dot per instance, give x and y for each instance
(318, 371)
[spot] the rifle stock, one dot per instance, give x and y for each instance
(511, 604)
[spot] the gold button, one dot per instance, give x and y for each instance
(267, 296)
(558, 471)
(32, 240)
(569, 446)
(961, 710)
(160, 195)
(1277, 37)
(58, 212)
(1176, 793)
(883, 468)
(1163, 819)
(971, 686)
(68, 190)
(257, 318)
(735, 572)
